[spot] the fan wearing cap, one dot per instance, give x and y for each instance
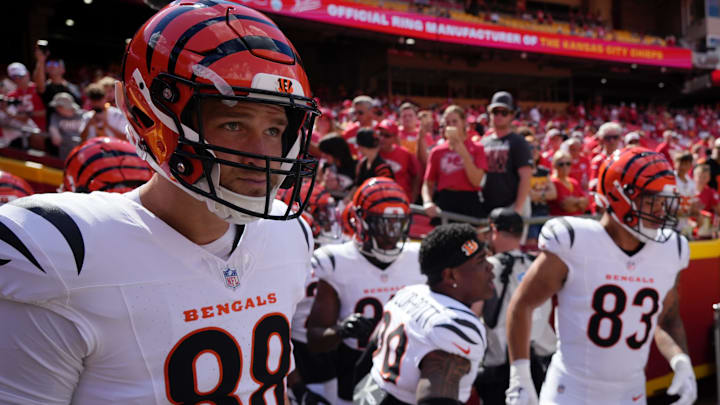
(609, 135)
(616, 282)
(455, 172)
(553, 139)
(405, 166)
(65, 125)
(371, 164)
(362, 117)
(31, 105)
(429, 343)
(509, 159)
(669, 144)
(509, 266)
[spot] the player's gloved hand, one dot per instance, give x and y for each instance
(683, 383)
(301, 395)
(521, 390)
(356, 326)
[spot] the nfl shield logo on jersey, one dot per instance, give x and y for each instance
(231, 278)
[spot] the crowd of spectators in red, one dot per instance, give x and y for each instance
(447, 158)
(539, 162)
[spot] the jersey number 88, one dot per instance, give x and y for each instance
(180, 365)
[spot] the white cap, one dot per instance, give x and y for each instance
(632, 136)
(17, 69)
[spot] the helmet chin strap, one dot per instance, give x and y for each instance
(385, 255)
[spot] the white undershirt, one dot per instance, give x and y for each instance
(221, 247)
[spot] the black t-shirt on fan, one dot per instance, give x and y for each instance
(504, 157)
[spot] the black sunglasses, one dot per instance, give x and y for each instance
(561, 164)
(496, 111)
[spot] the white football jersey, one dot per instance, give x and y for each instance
(299, 323)
(162, 320)
(608, 307)
(416, 322)
(361, 286)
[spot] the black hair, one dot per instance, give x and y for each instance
(442, 248)
(336, 146)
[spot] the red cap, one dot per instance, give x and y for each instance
(389, 126)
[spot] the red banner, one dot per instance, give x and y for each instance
(446, 30)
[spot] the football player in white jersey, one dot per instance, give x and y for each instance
(615, 281)
(182, 290)
(358, 277)
(429, 343)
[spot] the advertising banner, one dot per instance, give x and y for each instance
(360, 16)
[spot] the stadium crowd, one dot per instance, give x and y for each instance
(461, 159)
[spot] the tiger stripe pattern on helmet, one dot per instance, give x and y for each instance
(104, 164)
(13, 187)
(630, 175)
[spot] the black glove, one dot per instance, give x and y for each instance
(356, 326)
(301, 395)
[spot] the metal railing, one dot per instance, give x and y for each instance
(447, 216)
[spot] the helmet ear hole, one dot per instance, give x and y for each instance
(165, 91)
(628, 218)
(181, 165)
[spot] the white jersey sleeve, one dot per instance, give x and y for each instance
(557, 236)
(33, 289)
(52, 358)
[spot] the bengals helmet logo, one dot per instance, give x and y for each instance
(470, 247)
(285, 85)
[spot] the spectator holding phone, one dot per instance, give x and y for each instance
(49, 77)
(102, 119)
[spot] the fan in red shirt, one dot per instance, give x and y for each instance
(363, 117)
(580, 169)
(571, 198)
(609, 135)
(553, 139)
(455, 170)
(31, 105)
(409, 127)
(708, 197)
(668, 144)
(405, 165)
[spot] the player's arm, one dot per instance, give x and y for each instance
(670, 332)
(322, 328)
(544, 278)
(42, 355)
(672, 343)
(440, 374)
(474, 173)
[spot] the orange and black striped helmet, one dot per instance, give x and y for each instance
(321, 205)
(382, 218)
(104, 164)
(348, 220)
(13, 187)
(638, 189)
(197, 60)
